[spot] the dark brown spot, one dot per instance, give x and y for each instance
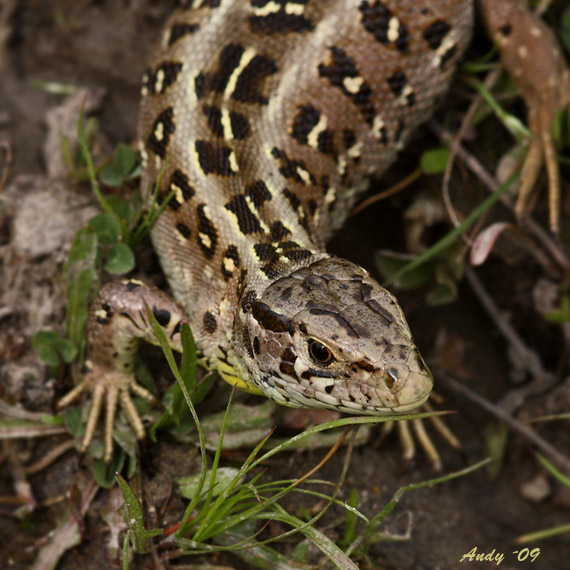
(279, 21)
(376, 19)
(160, 132)
(363, 365)
(435, 33)
(180, 30)
(270, 320)
(248, 300)
(380, 310)
(210, 324)
(183, 230)
(169, 71)
(319, 373)
(214, 159)
(506, 30)
(161, 315)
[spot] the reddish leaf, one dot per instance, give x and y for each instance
(485, 241)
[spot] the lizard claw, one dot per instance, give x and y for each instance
(112, 389)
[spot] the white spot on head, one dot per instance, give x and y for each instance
(536, 32)
(522, 51)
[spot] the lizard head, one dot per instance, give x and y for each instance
(328, 335)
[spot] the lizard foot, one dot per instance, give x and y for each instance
(109, 389)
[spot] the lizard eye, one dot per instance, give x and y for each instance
(320, 353)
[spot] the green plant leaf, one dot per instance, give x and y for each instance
(107, 228)
(47, 337)
(66, 349)
(120, 259)
(73, 418)
(125, 158)
(435, 161)
(191, 484)
(389, 264)
(83, 251)
(48, 354)
(104, 473)
(132, 514)
(111, 175)
(119, 205)
(52, 348)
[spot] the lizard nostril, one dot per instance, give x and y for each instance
(392, 377)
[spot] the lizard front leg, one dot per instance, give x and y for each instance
(118, 320)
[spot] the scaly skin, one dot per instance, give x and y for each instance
(273, 115)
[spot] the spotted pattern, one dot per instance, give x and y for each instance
(244, 207)
(216, 159)
(438, 37)
(293, 169)
(240, 75)
(207, 234)
(279, 17)
(157, 81)
(229, 125)
(180, 30)
(230, 262)
(401, 88)
(181, 189)
(386, 28)
(270, 255)
(183, 230)
(342, 72)
(161, 131)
